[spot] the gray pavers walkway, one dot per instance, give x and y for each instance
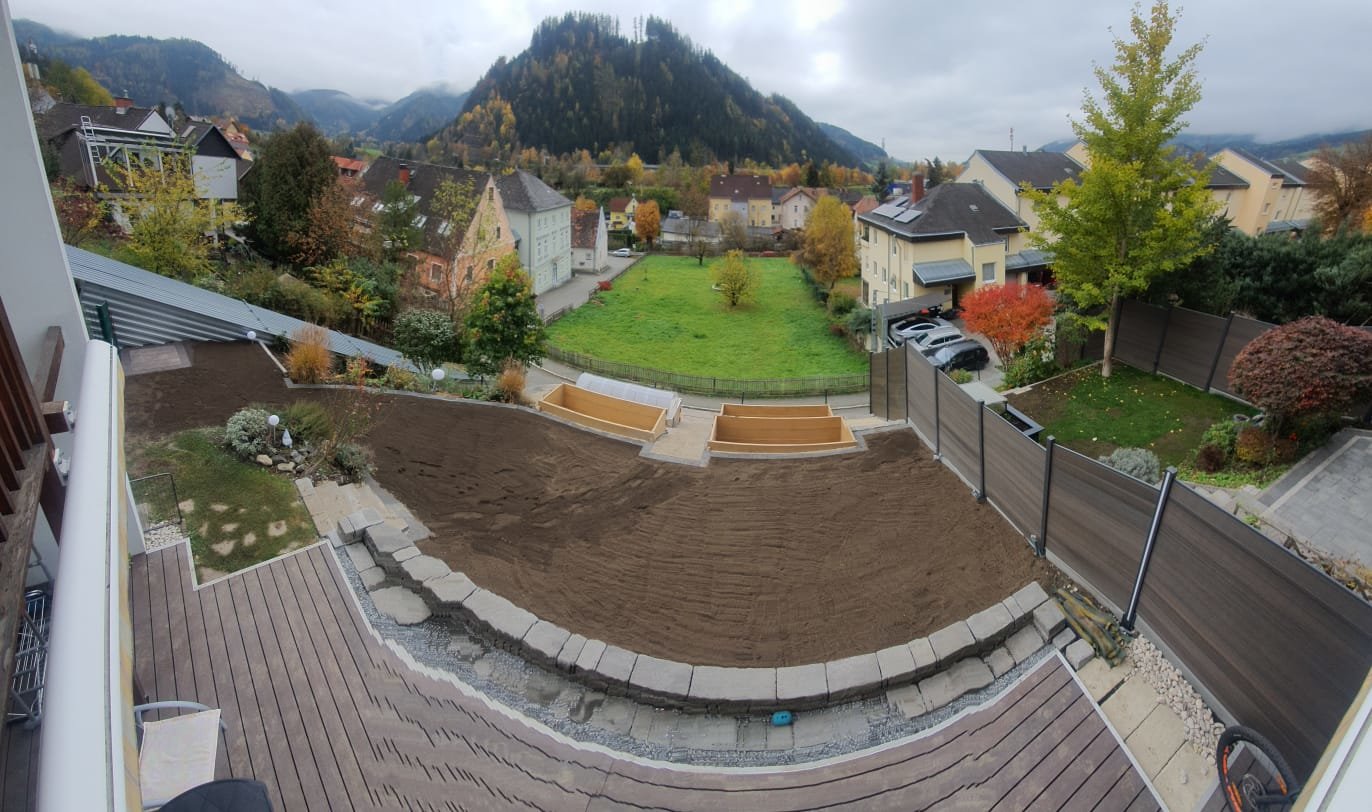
(1326, 500)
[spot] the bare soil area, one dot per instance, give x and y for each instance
(741, 563)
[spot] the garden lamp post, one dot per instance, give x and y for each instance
(438, 375)
(273, 421)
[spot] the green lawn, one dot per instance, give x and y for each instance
(1096, 415)
(237, 514)
(663, 314)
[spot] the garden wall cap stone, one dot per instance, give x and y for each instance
(1023, 643)
(385, 539)
(999, 661)
(451, 588)
(1049, 619)
(545, 640)
(616, 665)
(401, 605)
(371, 578)
(953, 642)
(571, 650)
(1030, 596)
(735, 686)
(802, 683)
(897, 664)
(425, 568)
(590, 655)
(405, 554)
(1019, 615)
(966, 675)
(992, 624)
(361, 558)
(501, 615)
(926, 661)
(665, 678)
(852, 675)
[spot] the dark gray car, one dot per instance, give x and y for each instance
(965, 354)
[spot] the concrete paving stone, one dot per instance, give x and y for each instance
(1186, 780)
(401, 605)
(734, 687)
(1079, 653)
(852, 676)
(1157, 738)
(361, 558)
(926, 661)
(1130, 704)
(780, 738)
(1063, 639)
(802, 685)
(752, 736)
(571, 650)
(615, 667)
(590, 655)
(371, 578)
(953, 642)
(502, 616)
(1030, 596)
(999, 661)
(897, 665)
(304, 486)
(663, 678)
(358, 521)
(992, 624)
(405, 554)
(1018, 614)
(425, 568)
(907, 700)
(335, 540)
(653, 725)
(1100, 679)
(970, 674)
(450, 590)
(544, 641)
(1049, 619)
(383, 538)
(837, 725)
(696, 732)
(1023, 643)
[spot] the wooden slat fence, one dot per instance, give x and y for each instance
(957, 429)
(1241, 331)
(1015, 481)
(923, 382)
(1190, 346)
(1139, 334)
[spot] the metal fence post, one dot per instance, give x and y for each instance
(1041, 541)
(905, 370)
(1131, 614)
(1219, 351)
(938, 446)
(981, 450)
(1162, 339)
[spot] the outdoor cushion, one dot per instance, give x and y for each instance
(177, 754)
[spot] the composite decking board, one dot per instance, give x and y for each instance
(333, 751)
(141, 607)
(202, 672)
(1128, 793)
(235, 751)
(19, 769)
(268, 700)
(183, 665)
(1070, 777)
(1090, 793)
(164, 680)
(1047, 758)
(297, 735)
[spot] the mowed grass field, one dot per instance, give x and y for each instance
(664, 314)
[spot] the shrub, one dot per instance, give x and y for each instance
(1210, 458)
(1257, 446)
(246, 433)
(1139, 463)
(351, 460)
(960, 376)
(1222, 435)
(308, 421)
(426, 337)
(400, 378)
(841, 303)
(860, 321)
(838, 328)
(604, 284)
(509, 384)
(1034, 363)
(309, 360)
(1311, 367)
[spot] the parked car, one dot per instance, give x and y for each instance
(905, 328)
(933, 339)
(962, 354)
(621, 252)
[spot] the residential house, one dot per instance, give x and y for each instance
(1004, 173)
(865, 204)
(542, 222)
(1276, 194)
(953, 239)
(444, 266)
(86, 137)
(622, 210)
(348, 168)
(590, 241)
(748, 196)
(794, 207)
(778, 192)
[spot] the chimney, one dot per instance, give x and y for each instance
(122, 104)
(916, 188)
(404, 174)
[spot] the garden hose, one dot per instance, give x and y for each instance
(1094, 625)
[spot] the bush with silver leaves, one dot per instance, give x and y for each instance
(246, 433)
(1139, 463)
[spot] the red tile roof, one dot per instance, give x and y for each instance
(618, 204)
(349, 164)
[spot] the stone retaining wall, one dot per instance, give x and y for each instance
(942, 664)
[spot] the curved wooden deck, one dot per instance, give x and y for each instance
(330, 718)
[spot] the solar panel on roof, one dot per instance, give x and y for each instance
(908, 215)
(888, 210)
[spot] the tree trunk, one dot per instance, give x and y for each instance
(1110, 325)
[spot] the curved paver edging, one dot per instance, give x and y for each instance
(944, 664)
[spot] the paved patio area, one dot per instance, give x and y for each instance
(1326, 499)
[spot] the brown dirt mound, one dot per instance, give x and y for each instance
(741, 563)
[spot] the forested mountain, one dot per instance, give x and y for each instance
(1297, 147)
(335, 112)
(418, 115)
(583, 85)
(168, 71)
(864, 151)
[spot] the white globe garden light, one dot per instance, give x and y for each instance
(439, 374)
(273, 421)
(252, 335)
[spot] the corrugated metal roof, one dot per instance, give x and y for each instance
(948, 270)
(147, 308)
(1028, 258)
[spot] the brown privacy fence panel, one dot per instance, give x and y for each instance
(895, 385)
(922, 378)
(1191, 345)
(1014, 473)
(1140, 334)
(877, 385)
(1241, 331)
(1097, 522)
(1281, 646)
(1090, 347)
(958, 434)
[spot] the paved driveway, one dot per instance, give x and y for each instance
(1326, 499)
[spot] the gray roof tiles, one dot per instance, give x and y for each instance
(1041, 170)
(952, 209)
(522, 191)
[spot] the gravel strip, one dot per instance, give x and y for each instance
(1202, 728)
(162, 536)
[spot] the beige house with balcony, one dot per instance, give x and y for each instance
(794, 207)
(1276, 198)
(1004, 173)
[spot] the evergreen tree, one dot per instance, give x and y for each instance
(293, 169)
(395, 223)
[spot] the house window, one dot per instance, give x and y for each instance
(1265, 207)
(445, 228)
(497, 232)
(905, 289)
(435, 273)
(490, 264)
(490, 193)
(468, 276)
(988, 272)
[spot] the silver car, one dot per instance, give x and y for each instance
(933, 339)
(904, 329)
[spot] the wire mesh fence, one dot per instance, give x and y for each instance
(705, 385)
(156, 501)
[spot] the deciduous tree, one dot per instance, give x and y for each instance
(327, 232)
(1341, 181)
(490, 128)
(733, 231)
(735, 278)
(503, 324)
(829, 250)
(1008, 315)
(80, 214)
(584, 204)
(293, 168)
(426, 337)
(1311, 367)
(395, 222)
(648, 222)
(1140, 207)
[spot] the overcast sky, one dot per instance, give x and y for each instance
(929, 78)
